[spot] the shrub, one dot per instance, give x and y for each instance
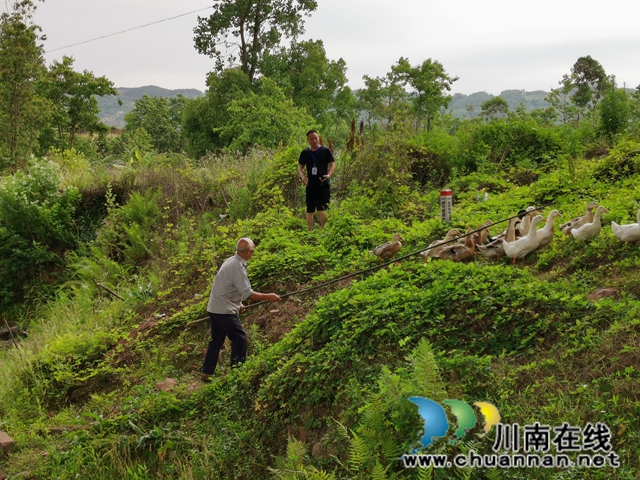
(64, 368)
(279, 182)
(37, 226)
(511, 143)
(433, 156)
(479, 181)
(130, 231)
(622, 162)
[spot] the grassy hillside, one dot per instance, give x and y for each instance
(324, 393)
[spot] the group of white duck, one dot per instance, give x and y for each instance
(521, 237)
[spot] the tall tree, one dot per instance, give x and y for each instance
(580, 90)
(267, 119)
(74, 96)
(315, 83)
(307, 76)
(203, 117)
(383, 98)
(494, 108)
(589, 80)
(251, 28)
(565, 110)
(614, 112)
(162, 120)
(429, 83)
(22, 110)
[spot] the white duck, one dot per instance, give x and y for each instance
(579, 221)
(523, 245)
(525, 224)
(627, 233)
(545, 235)
(590, 230)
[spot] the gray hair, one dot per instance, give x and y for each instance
(244, 244)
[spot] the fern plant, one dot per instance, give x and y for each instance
(389, 427)
(389, 424)
(292, 466)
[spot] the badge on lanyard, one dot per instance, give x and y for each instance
(314, 171)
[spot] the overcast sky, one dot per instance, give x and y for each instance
(492, 45)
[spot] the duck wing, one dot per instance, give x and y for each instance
(626, 233)
(586, 231)
(492, 250)
(380, 250)
(572, 224)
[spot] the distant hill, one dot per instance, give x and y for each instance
(531, 101)
(112, 113)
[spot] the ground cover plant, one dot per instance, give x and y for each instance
(324, 392)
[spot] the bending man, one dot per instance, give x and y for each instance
(230, 287)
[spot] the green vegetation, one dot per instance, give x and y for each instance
(109, 244)
(113, 109)
(325, 389)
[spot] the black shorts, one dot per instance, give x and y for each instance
(318, 197)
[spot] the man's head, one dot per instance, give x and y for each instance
(245, 248)
(314, 139)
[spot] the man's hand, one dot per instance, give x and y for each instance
(273, 297)
(305, 180)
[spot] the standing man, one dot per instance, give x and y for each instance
(319, 164)
(230, 287)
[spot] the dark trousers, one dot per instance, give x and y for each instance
(222, 326)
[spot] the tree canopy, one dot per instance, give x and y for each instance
(307, 76)
(203, 117)
(73, 97)
(495, 108)
(22, 111)
(161, 118)
(267, 118)
(581, 89)
(429, 83)
(589, 80)
(241, 32)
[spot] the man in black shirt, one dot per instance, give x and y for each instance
(319, 164)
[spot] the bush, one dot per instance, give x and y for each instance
(130, 233)
(37, 227)
(478, 181)
(279, 182)
(512, 143)
(433, 157)
(62, 371)
(622, 162)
